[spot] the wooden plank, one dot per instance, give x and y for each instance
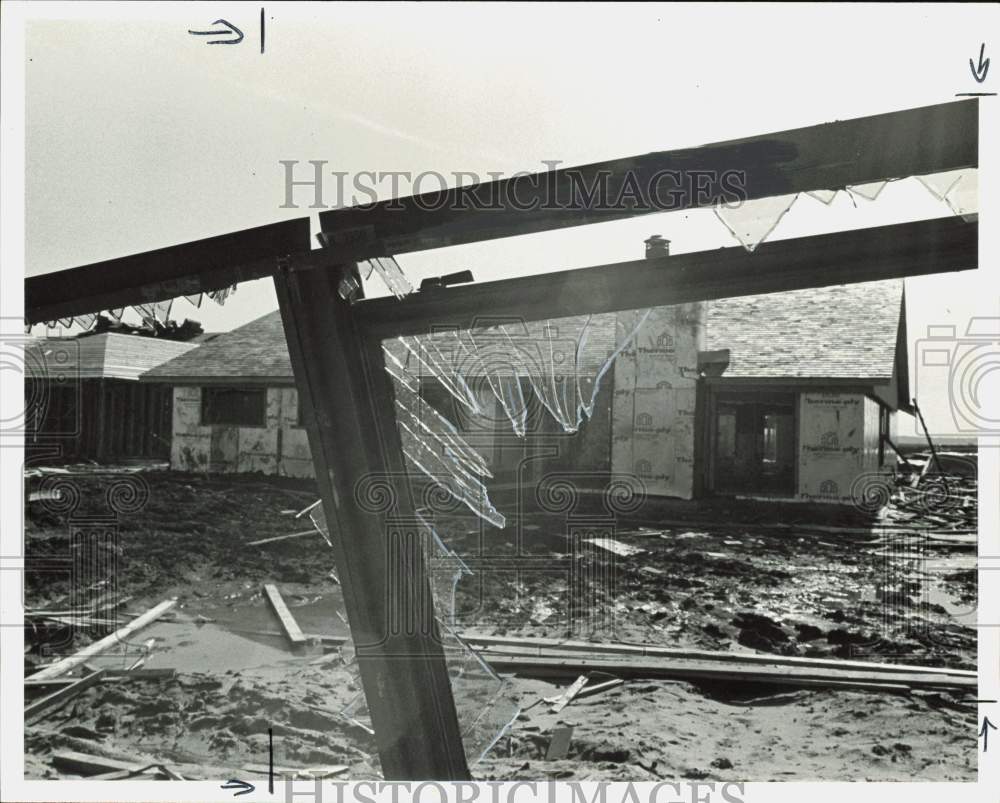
(301, 534)
(49, 703)
(883, 252)
(66, 664)
(350, 421)
(199, 266)
(615, 547)
(548, 647)
(599, 688)
(288, 622)
(567, 696)
(695, 671)
(828, 156)
(86, 764)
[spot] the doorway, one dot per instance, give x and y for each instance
(754, 443)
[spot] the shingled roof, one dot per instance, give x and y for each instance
(109, 355)
(842, 332)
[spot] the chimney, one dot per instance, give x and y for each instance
(657, 246)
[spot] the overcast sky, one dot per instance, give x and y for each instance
(139, 135)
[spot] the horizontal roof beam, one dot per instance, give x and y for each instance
(829, 156)
(884, 252)
(196, 267)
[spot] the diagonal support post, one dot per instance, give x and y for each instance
(347, 399)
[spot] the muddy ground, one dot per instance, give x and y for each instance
(734, 584)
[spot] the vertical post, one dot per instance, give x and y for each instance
(347, 401)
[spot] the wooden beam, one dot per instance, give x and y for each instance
(199, 266)
(39, 708)
(695, 671)
(112, 640)
(541, 647)
(884, 252)
(347, 401)
(292, 630)
(829, 156)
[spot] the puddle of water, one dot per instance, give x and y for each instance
(246, 637)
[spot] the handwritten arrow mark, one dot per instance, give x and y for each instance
(246, 788)
(979, 72)
(984, 732)
(231, 29)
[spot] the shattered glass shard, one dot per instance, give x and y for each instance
(398, 371)
(446, 472)
(590, 381)
(963, 197)
(940, 184)
(156, 311)
(751, 222)
(431, 362)
(220, 296)
(424, 422)
(86, 320)
(869, 191)
(826, 196)
(390, 273)
(487, 353)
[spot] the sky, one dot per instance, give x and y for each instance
(139, 135)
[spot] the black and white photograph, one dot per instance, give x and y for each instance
(499, 402)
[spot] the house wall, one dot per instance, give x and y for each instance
(838, 443)
(653, 407)
(280, 447)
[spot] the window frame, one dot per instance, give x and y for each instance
(206, 412)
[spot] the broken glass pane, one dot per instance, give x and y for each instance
(156, 311)
(963, 197)
(869, 191)
(430, 362)
(490, 356)
(589, 379)
(751, 222)
(826, 196)
(220, 296)
(940, 184)
(390, 273)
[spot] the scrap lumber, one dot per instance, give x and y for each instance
(598, 688)
(57, 699)
(292, 631)
(300, 534)
(547, 647)
(564, 699)
(120, 635)
(694, 671)
(121, 775)
(615, 547)
(86, 764)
